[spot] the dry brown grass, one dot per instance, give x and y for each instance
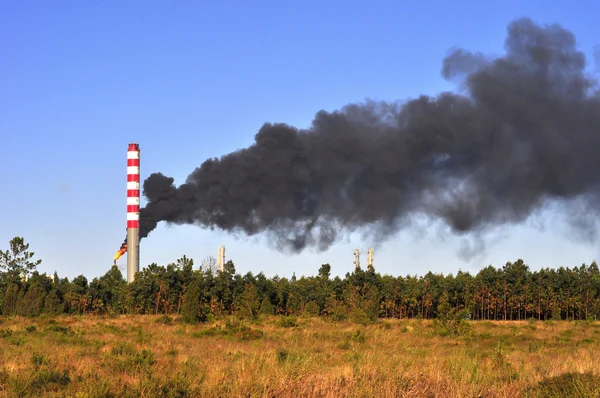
(138, 356)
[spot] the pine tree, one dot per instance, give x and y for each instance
(53, 305)
(17, 261)
(11, 300)
(266, 307)
(191, 303)
(311, 309)
(249, 303)
(33, 301)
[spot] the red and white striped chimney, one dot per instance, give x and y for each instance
(133, 210)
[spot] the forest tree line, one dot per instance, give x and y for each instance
(200, 293)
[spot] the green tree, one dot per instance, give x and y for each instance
(249, 303)
(33, 302)
(266, 307)
(325, 271)
(77, 295)
(311, 309)
(335, 309)
(11, 300)
(191, 303)
(17, 262)
(108, 291)
(229, 267)
(53, 305)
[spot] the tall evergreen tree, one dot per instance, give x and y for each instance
(17, 262)
(191, 303)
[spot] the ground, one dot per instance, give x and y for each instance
(153, 356)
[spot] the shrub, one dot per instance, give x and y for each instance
(4, 333)
(165, 320)
(50, 379)
(567, 385)
(336, 310)
(451, 322)
(249, 334)
(386, 325)
(205, 315)
(282, 355)
(123, 349)
(60, 329)
(287, 322)
(358, 336)
(359, 316)
(144, 359)
(210, 332)
(344, 346)
(266, 307)
(38, 360)
(311, 309)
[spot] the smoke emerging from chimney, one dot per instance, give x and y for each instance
(524, 132)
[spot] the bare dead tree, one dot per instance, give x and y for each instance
(209, 264)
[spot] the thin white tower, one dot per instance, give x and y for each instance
(356, 261)
(221, 258)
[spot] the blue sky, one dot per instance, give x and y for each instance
(192, 80)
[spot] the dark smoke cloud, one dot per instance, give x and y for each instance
(524, 132)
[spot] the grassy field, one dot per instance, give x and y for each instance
(154, 356)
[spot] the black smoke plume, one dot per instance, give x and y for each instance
(523, 132)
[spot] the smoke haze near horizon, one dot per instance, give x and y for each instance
(522, 131)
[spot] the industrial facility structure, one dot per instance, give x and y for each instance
(356, 261)
(133, 211)
(221, 259)
(132, 244)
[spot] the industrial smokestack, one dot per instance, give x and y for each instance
(133, 210)
(522, 132)
(221, 259)
(356, 261)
